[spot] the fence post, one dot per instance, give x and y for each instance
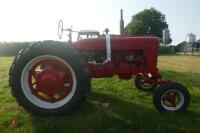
(199, 51)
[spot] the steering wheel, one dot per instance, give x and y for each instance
(60, 29)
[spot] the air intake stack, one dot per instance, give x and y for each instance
(121, 23)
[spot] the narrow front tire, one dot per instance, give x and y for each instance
(171, 97)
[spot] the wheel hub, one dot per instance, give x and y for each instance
(145, 82)
(50, 81)
(171, 99)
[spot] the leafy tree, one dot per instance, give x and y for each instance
(147, 22)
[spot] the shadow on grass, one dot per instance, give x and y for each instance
(122, 116)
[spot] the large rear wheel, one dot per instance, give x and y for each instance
(49, 78)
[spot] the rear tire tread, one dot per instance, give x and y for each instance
(63, 50)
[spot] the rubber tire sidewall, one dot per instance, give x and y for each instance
(59, 50)
(165, 87)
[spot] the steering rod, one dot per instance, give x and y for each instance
(61, 29)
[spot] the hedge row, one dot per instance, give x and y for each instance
(12, 48)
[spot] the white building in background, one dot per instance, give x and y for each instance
(190, 44)
(191, 38)
(166, 35)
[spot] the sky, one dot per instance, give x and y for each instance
(34, 20)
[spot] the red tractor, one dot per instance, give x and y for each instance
(54, 78)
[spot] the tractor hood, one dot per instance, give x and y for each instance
(117, 43)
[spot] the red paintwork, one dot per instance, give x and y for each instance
(47, 79)
(171, 97)
(126, 44)
(118, 43)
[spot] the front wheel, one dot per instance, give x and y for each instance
(49, 78)
(171, 97)
(144, 83)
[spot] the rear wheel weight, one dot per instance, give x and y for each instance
(171, 97)
(47, 80)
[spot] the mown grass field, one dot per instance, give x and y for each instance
(131, 110)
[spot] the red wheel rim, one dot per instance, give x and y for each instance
(50, 80)
(145, 82)
(171, 99)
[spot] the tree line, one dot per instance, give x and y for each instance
(12, 48)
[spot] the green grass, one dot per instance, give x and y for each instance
(131, 110)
